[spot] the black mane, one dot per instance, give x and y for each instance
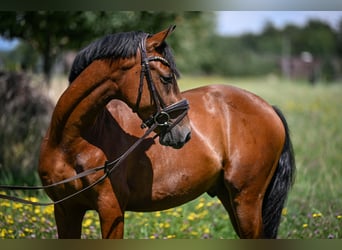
(114, 46)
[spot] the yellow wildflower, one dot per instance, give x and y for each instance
(164, 225)
(210, 203)
(33, 219)
(87, 231)
(284, 211)
(28, 230)
(199, 205)
(17, 205)
(175, 214)
(9, 219)
(48, 210)
(33, 199)
(5, 204)
(87, 222)
(3, 233)
(315, 215)
(202, 214)
(37, 210)
(192, 216)
(184, 227)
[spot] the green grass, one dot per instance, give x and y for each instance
(314, 207)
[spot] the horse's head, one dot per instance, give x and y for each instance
(149, 86)
(140, 70)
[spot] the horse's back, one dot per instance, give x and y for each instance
(238, 99)
(238, 106)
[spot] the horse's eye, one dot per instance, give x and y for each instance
(166, 79)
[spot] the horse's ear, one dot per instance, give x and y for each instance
(157, 39)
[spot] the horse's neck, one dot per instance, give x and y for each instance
(105, 133)
(79, 105)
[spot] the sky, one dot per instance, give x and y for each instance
(238, 22)
(7, 44)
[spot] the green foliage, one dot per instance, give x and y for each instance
(43, 31)
(239, 56)
(260, 54)
(198, 50)
(317, 37)
(23, 58)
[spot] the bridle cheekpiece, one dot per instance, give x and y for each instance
(162, 117)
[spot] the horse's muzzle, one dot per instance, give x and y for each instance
(176, 137)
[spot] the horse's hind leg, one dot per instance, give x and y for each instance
(248, 212)
(224, 196)
(244, 212)
(69, 221)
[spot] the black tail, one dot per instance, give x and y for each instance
(281, 182)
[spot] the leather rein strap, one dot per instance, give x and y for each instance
(160, 119)
(108, 168)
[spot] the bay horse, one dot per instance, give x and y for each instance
(240, 151)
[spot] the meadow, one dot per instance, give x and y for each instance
(314, 207)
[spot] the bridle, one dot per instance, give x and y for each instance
(161, 118)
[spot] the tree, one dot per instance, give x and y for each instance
(322, 40)
(51, 32)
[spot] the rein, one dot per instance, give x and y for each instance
(108, 168)
(160, 119)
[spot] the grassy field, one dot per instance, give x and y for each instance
(314, 207)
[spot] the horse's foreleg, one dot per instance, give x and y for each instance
(112, 225)
(69, 221)
(111, 217)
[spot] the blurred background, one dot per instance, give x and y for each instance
(38, 48)
(295, 44)
(291, 58)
